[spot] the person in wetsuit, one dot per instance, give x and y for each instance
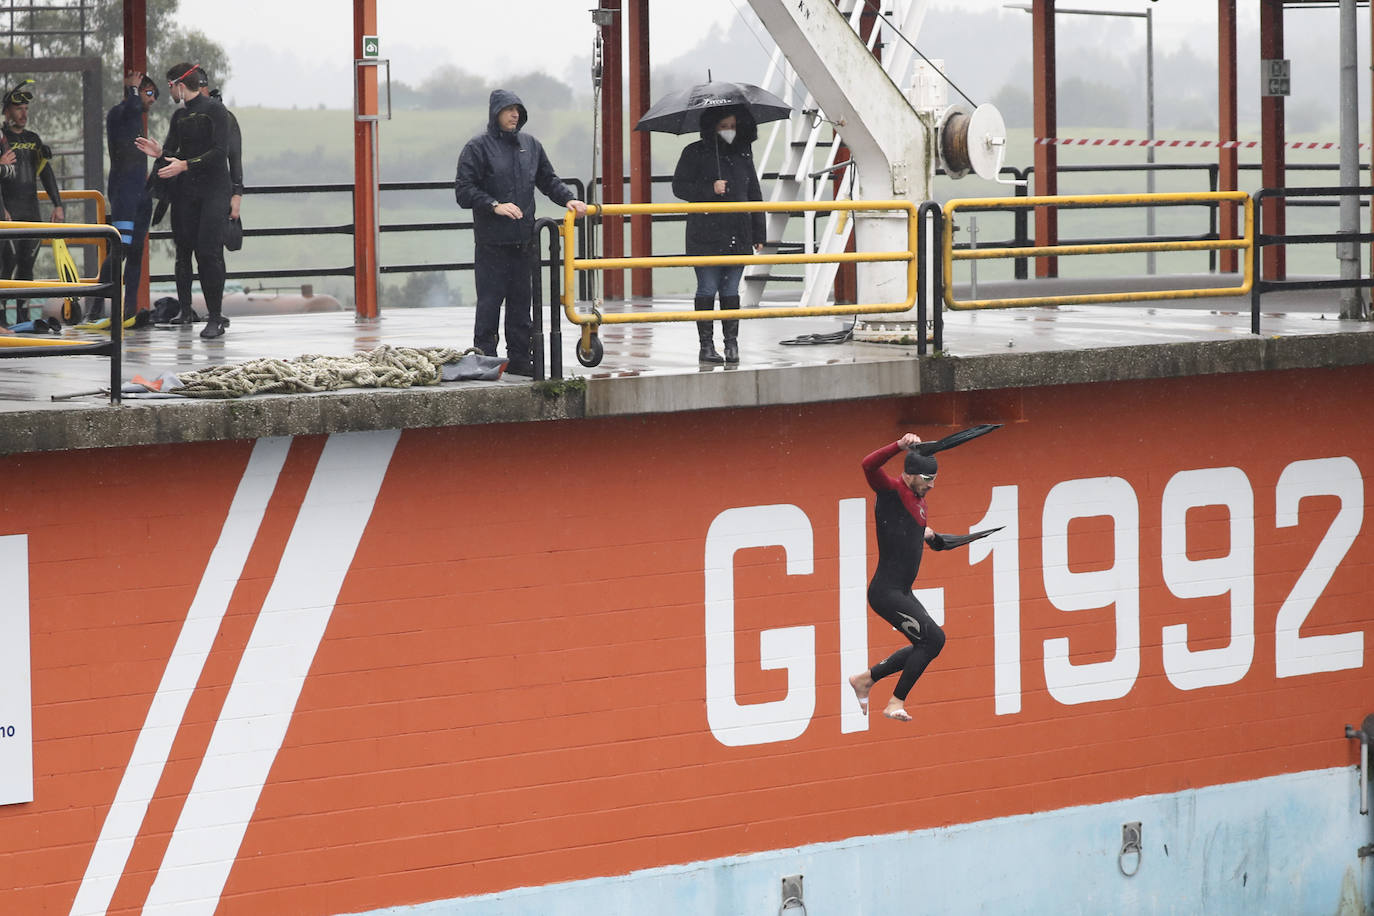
(235, 154)
(19, 188)
(899, 519)
(197, 170)
(131, 207)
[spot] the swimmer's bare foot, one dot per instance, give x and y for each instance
(895, 710)
(862, 684)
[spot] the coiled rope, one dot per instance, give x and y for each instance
(384, 367)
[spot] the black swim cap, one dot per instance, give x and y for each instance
(916, 463)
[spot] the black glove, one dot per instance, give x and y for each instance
(950, 541)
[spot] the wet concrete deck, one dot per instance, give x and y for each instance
(651, 368)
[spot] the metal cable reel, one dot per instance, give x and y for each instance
(973, 141)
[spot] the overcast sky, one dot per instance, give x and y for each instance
(297, 52)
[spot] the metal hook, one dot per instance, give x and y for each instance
(1130, 843)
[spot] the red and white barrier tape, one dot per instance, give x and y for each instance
(1177, 144)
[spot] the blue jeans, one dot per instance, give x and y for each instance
(720, 279)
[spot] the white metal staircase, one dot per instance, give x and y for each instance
(809, 144)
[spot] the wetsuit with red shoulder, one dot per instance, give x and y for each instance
(899, 520)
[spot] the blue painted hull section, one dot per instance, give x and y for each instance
(1285, 845)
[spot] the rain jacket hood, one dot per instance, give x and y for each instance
(497, 166)
(501, 99)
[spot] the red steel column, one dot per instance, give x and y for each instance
(612, 150)
(365, 214)
(136, 60)
(1272, 156)
(641, 165)
(1046, 130)
(1228, 159)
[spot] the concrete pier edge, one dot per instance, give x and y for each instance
(158, 422)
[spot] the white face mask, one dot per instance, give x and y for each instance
(727, 136)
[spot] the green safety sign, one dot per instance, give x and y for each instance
(372, 47)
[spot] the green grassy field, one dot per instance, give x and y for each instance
(284, 147)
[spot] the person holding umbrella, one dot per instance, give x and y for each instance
(717, 168)
(720, 167)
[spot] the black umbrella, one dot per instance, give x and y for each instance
(680, 112)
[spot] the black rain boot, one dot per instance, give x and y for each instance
(730, 328)
(705, 334)
(214, 326)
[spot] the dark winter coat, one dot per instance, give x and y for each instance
(499, 167)
(700, 164)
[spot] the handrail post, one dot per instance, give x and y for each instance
(922, 237)
(938, 273)
(536, 294)
(929, 291)
(1257, 283)
(1021, 222)
(555, 300)
(1213, 176)
(116, 261)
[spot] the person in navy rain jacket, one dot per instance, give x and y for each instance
(498, 172)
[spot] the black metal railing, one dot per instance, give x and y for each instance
(344, 229)
(555, 268)
(1261, 286)
(930, 274)
(113, 289)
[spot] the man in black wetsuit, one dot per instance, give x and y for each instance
(899, 518)
(131, 207)
(19, 185)
(197, 170)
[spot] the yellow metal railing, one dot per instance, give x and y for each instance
(1247, 244)
(57, 287)
(591, 320)
(101, 208)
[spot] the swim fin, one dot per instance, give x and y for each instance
(103, 324)
(950, 541)
(67, 273)
(953, 439)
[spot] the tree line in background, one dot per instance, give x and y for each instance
(450, 87)
(95, 28)
(1098, 86)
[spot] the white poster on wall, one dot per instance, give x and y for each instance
(16, 718)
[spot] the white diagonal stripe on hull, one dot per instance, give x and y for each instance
(267, 685)
(125, 817)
